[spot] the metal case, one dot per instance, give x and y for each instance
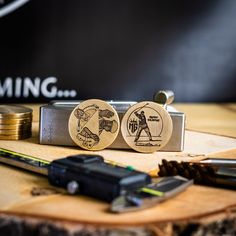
(54, 118)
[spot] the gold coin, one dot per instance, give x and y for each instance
(94, 124)
(13, 111)
(146, 127)
(15, 126)
(15, 137)
(15, 132)
(4, 121)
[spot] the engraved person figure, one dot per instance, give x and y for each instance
(142, 126)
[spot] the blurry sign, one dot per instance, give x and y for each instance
(33, 87)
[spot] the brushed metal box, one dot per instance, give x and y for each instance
(53, 129)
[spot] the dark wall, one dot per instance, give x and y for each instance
(76, 49)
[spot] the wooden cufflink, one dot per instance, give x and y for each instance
(94, 124)
(146, 127)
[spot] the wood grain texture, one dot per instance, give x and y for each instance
(93, 212)
(196, 202)
(196, 144)
(210, 118)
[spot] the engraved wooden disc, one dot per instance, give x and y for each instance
(146, 127)
(94, 124)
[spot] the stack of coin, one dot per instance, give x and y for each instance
(15, 122)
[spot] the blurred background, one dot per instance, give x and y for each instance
(123, 50)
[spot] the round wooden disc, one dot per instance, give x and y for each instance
(94, 124)
(146, 127)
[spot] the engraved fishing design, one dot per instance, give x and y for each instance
(94, 123)
(145, 125)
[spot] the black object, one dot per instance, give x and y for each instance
(211, 175)
(86, 174)
(118, 50)
(90, 175)
(160, 190)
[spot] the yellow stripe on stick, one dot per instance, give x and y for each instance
(25, 156)
(152, 191)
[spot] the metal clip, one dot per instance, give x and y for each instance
(150, 195)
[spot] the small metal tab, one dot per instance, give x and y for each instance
(73, 187)
(164, 97)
